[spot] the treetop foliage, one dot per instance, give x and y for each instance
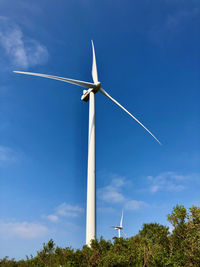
(153, 246)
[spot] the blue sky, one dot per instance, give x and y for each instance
(148, 59)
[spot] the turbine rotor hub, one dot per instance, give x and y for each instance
(98, 85)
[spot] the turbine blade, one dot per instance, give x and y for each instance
(121, 219)
(76, 82)
(117, 103)
(94, 66)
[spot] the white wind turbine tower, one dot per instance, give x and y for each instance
(89, 94)
(120, 227)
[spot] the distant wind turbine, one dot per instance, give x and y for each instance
(120, 227)
(89, 94)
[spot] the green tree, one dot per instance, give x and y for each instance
(185, 238)
(178, 219)
(153, 245)
(193, 237)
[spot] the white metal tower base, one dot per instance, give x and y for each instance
(91, 175)
(119, 233)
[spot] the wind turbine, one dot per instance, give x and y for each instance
(89, 95)
(120, 227)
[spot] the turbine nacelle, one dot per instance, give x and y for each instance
(86, 93)
(118, 228)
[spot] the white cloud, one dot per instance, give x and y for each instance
(173, 23)
(110, 193)
(154, 188)
(170, 181)
(68, 210)
(21, 50)
(113, 194)
(118, 181)
(64, 210)
(175, 19)
(134, 204)
(7, 154)
(22, 230)
(52, 218)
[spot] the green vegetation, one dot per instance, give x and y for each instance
(153, 246)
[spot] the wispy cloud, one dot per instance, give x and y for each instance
(21, 50)
(7, 154)
(68, 210)
(52, 218)
(175, 19)
(22, 230)
(174, 22)
(113, 193)
(64, 210)
(135, 204)
(169, 181)
(33, 230)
